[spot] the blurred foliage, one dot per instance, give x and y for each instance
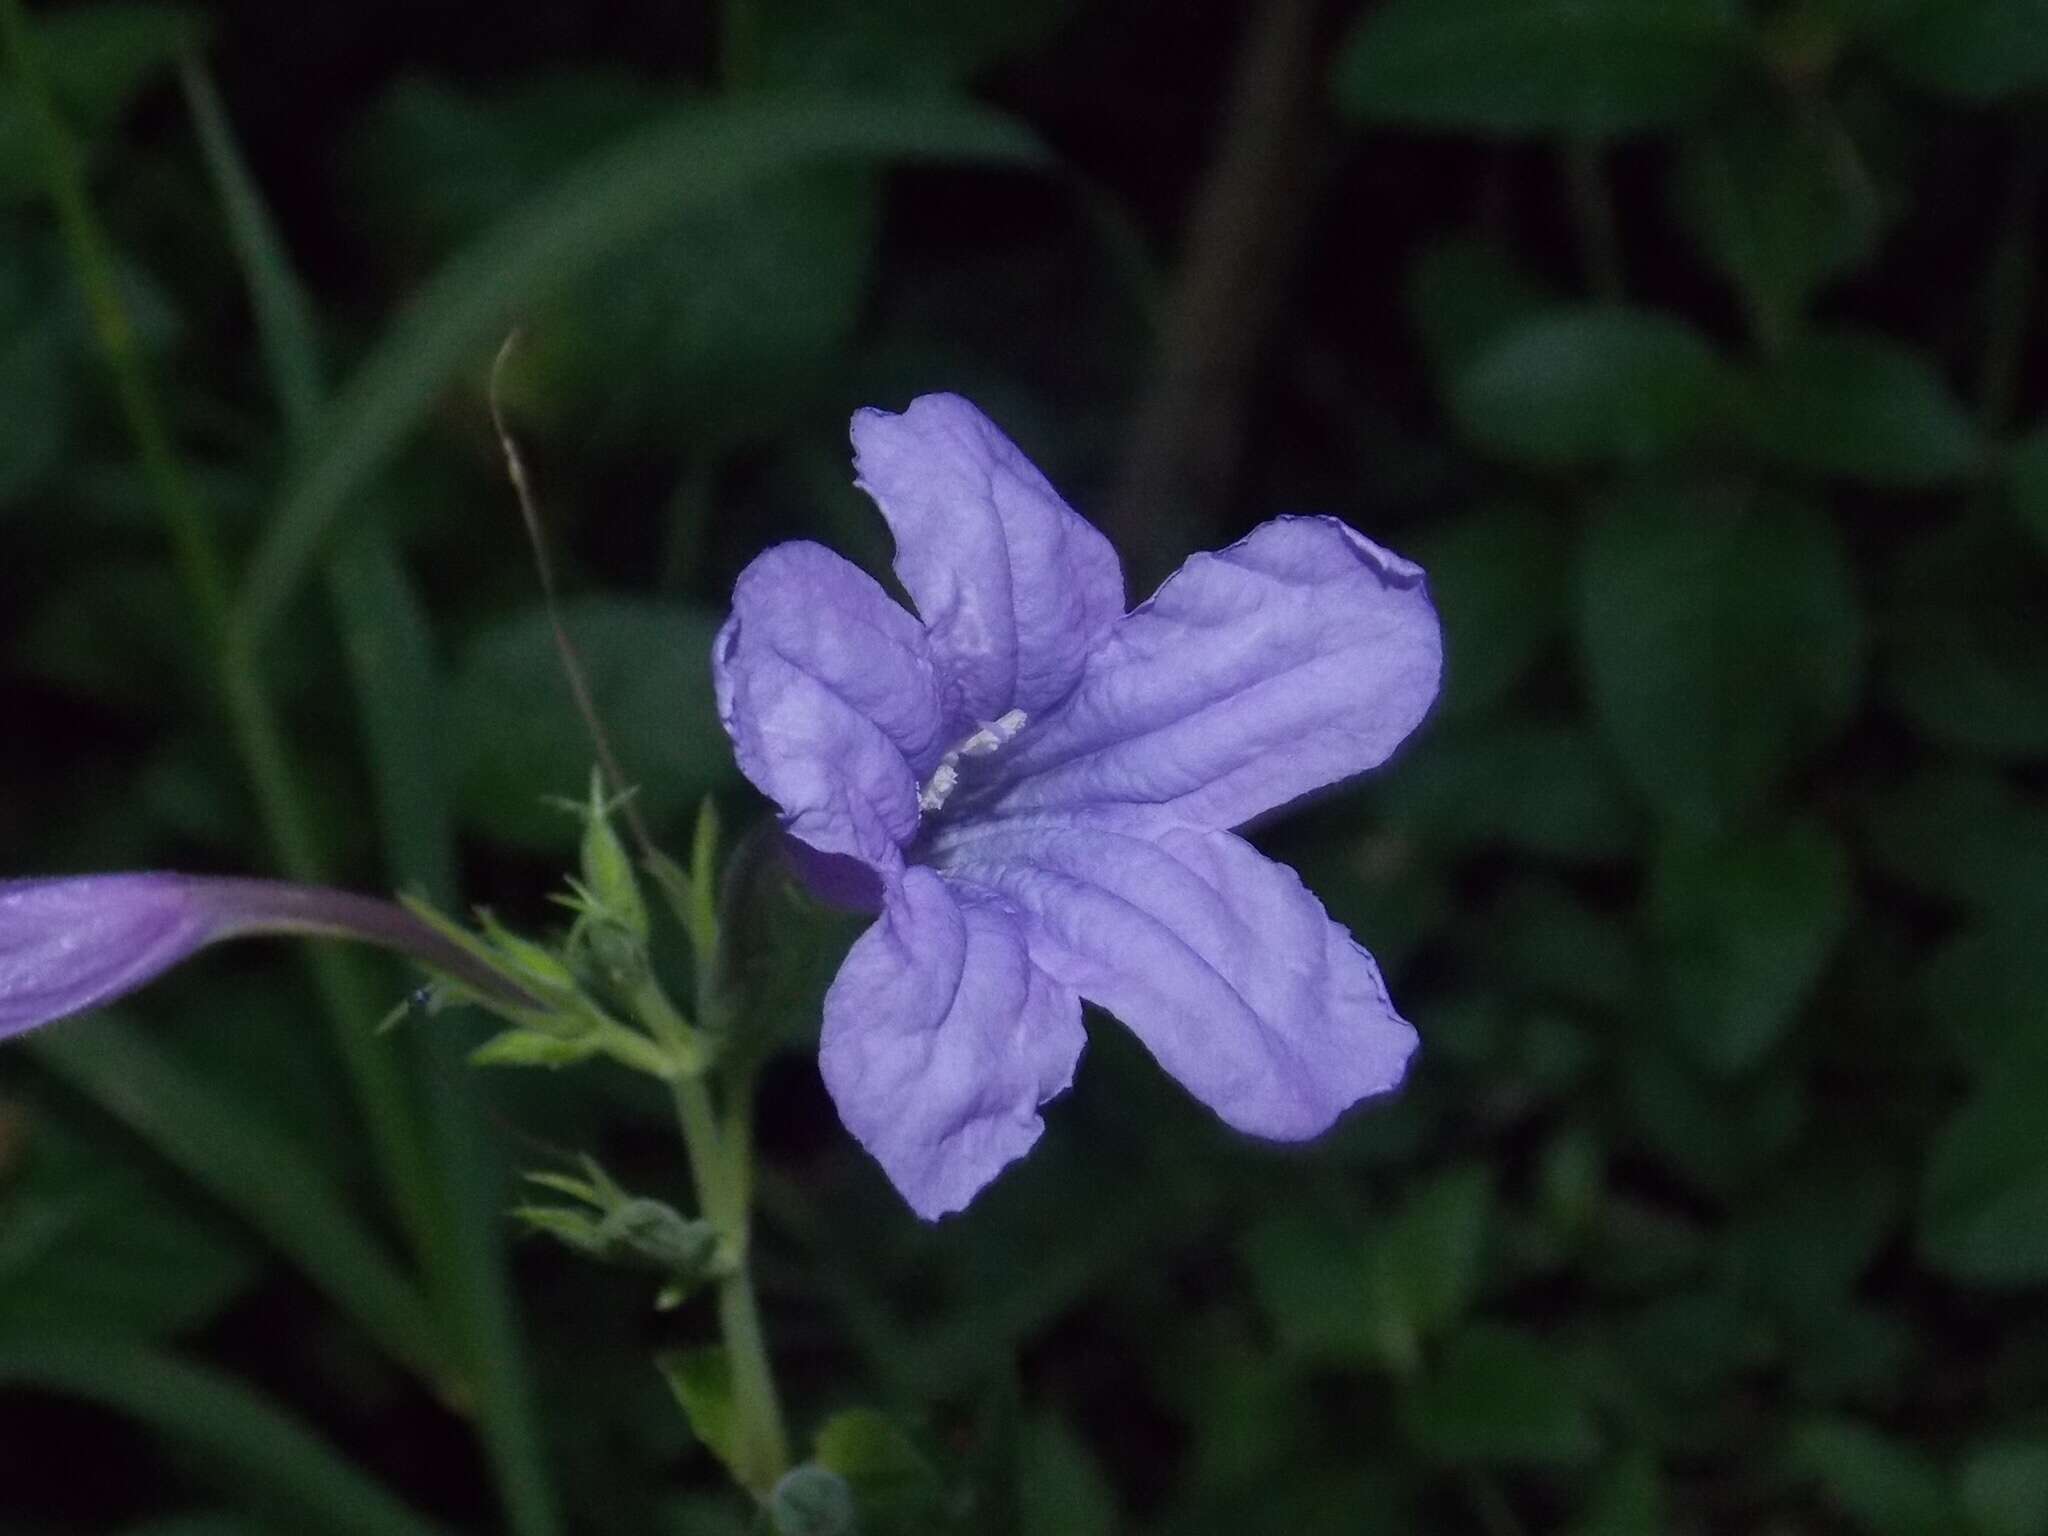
(1695, 346)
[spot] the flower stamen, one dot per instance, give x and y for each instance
(993, 736)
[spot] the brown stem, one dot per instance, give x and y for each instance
(1241, 246)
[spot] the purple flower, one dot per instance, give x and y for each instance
(67, 945)
(1036, 789)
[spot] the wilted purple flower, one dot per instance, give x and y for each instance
(1037, 788)
(70, 944)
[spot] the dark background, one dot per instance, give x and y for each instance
(1693, 347)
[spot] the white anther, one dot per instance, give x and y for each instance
(993, 736)
(934, 794)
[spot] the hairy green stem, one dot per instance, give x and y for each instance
(344, 985)
(720, 1165)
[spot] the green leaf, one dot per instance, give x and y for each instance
(714, 326)
(1310, 1276)
(2003, 1487)
(1590, 384)
(1465, 295)
(1552, 945)
(39, 376)
(1885, 1486)
(1747, 926)
(1858, 406)
(250, 1448)
(701, 154)
(1717, 1137)
(889, 44)
(702, 1382)
(1722, 643)
(1498, 578)
(1966, 654)
(1500, 1397)
(1984, 1199)
(92, 1241)
(1627, 1501)
(892, 1481)
(1962, 834)
(1975, 49)
(97, 59)
(1545, 789)
(1540, 66)
(397, 679)
(253, 1170)
(1984, 986)
(517, 738)
(1780, 201)
(1425, 1261)
(2026, 482)
(1061, 1488)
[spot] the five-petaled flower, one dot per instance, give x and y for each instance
(1036, 789)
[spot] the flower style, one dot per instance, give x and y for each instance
(1036, 789)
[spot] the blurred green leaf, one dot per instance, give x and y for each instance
(1544, 789)
(249, 1446)
(1722, 643)
(1859, 406)
(1540, 66)
(1883, 1485)
(1591, 384)
(93, 1241)
(2026, 482)
(1693, 1345)
(1424, 1261)
(713, 326)
(1552, 945)
(1310, 1276)
(1499, 1396)
(1628, 1500)
(1747, 927)
(1963, 659)
(97, 59)
(1975, 49)
(1984, 986)
(1716, 1137)
(1984, 1200)
(2003, 1487)
(517, 738)
(1061, 1488)
(893, 1482)
(253, 1170)
(38, 358)
(887, 44)
(1498, 578)
(1778, 197)
(690, 159)
(702, 1382)
(1464, 295)
(1964, 834)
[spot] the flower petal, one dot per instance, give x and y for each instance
(942, 1039)
(70, 945)
(828, 692)
(1220, 960)
(1015, 587)
(1299, 656)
